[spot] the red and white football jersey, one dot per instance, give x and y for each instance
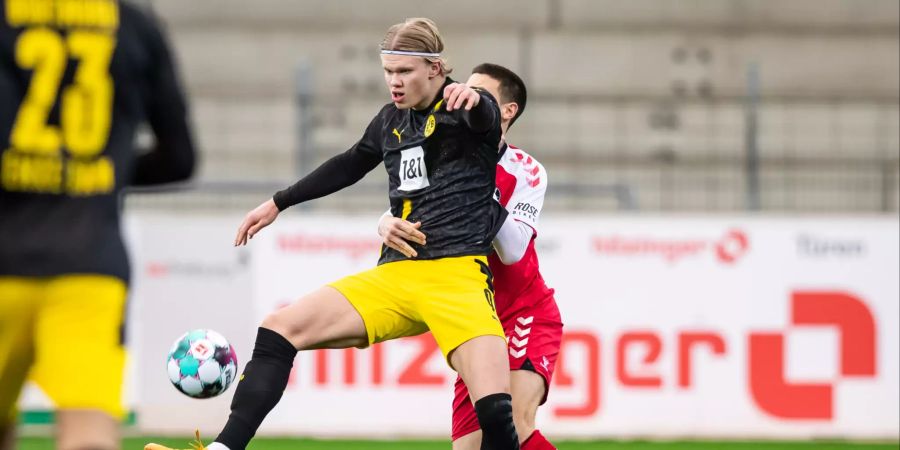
(521, 186)
(525, 305)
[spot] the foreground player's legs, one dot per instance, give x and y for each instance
(484, 367)
(82, 315)
(527, 392)
(86, 430)
(322, 319)
(18, 300)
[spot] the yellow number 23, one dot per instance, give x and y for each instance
(86, 105)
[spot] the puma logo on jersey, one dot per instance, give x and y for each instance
(398, 134)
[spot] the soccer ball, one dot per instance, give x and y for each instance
(202, 364)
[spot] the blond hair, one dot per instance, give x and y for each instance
(417, 34)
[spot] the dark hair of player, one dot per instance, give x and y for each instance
(512, 88)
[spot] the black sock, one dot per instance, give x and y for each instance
(496, 420)
(260, 388)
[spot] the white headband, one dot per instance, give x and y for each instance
(406, 53)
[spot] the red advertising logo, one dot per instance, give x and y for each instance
(156, 269)
(352, 246)
(769, 389)
(732, 246)
(780, 398)
(728, 249)
(637, 361)
(590, 380)
(647, 376)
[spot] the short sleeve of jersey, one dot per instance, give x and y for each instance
(527, 199)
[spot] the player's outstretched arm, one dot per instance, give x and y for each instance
(338, 172)
(255, 220)
(481, 114)
(397, 233)
(333, 175)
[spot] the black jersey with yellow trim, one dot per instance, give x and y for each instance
(77, 78)
(441, 169)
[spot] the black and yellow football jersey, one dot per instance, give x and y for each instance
(441, 168)
(77, 78)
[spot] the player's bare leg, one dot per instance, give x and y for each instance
(321, 319)
(484, 367)
(16, 355)
(83, 429)
(527, 392)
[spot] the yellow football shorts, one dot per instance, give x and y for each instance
(452, 297)
(67, 331)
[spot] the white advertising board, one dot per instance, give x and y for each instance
(674, 327)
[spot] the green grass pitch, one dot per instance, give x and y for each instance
(306, 444)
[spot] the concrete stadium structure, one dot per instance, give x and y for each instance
(633, 105)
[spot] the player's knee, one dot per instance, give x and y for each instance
(524, 409)
(277, 322)
(274, 322)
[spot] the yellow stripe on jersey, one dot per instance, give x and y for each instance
(438, 106)
(407, 208)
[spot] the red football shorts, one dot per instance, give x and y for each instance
(534, 333)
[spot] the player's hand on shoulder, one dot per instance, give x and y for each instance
(256, 220)
(458, 95)
(397, 233)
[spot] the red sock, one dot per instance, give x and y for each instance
(537, 441)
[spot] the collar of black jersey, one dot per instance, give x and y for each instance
(440, 96)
